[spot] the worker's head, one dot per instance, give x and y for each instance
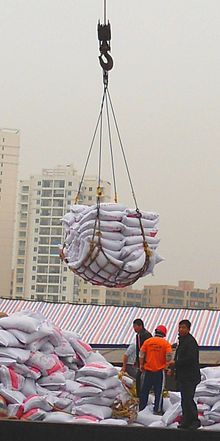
(138, 325)
(184, 327)
(3, 314)
(161, 331)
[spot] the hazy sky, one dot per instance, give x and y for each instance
(165, 88)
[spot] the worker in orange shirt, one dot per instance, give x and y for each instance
(155, 354)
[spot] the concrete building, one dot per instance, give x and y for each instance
(214, 290)
(92, 294)
(124, 297)
(9, 158)
(43, 200)
(185, 295)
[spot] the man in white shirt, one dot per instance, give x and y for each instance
(128, 361)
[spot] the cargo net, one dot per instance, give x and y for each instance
(109, 244)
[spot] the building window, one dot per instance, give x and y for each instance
(58, 193)
(70, 184)
(43, 250)
(41, 288)
(58, 203)
(20, 270)
(54, 269)
(42, 269)
(44, 231)
(90, 198)
(24, 198)
(53, 289)
(21, 252)
(45, 221)
(90, 188)
(39, 183)
(44, 240)
(22, 233)
(56, 231)
(59, 184)
(46, 193)
(41, 278)
(47, 183)
(54, 260)
(56, 221)
(23, 224)
(46, 202)
(53, 279)
(57, 212)
(42, 259)
(55, 240)
(63, 298)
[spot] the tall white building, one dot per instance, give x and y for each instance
(9, 158)
(43, 200)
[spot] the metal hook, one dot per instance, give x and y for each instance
(106, 65)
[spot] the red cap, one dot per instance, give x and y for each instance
(161, 329)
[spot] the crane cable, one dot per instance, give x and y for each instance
(104, 36)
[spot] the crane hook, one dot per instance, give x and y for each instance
(106, 65)
(105, 59)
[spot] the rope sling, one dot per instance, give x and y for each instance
(97, 267)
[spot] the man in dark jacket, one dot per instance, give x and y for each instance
(142, 335)
(186, 364)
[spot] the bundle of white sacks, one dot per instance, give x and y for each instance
(121, 239)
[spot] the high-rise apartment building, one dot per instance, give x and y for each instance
(9, 158)
(43, 200)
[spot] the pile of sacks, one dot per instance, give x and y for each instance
(207, 398)
(122, 258)
(51, 375)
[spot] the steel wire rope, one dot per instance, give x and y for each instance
(146, 247)
(111, 150)
(91, 146)
(122, 149)
(105, 11)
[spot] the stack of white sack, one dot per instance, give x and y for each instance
(101, 381)
(51, 375)
(207, 398)
(122, 257)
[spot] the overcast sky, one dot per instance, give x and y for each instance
(165, 87)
